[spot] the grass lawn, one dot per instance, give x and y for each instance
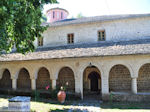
(43, 105)
(48, 105)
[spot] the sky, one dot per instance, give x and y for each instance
(101, 7)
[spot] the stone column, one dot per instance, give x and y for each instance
(53, 84)
(14, 84)
(33, 84)
(134, 85)
(79, 86)
(99, 84)
(105, 85)
(89, 84)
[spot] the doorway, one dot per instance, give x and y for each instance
(93, 77)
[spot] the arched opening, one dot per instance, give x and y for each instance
(93, 77)
(143, 80)
(91, 81)
(23, 81)
(119, 79)
(66, 78)
(5, 81)
(43, 79)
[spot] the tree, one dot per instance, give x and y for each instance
(44, 18)
(20, 24)
(80, 15)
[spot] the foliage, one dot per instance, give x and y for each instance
(111, 97)
(80, 15)
(43, 19)
(20, 24)
(36, 95)
(53, 92)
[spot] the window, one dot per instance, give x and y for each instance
(53, 14)
(101, 35)
(70, 38)
(40, 41)
(61, 15)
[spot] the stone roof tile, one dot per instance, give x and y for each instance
(133, 47)
(94, 19)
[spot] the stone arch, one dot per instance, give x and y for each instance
(80, 73)
(5, 81)
(36, 70)
(143, 80)
(43, 78)
(66, 78)
(91, 79)
(23, 81)
(126, 64)
(119, 78)
(85, 65)
(60, 67)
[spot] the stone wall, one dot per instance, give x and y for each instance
(5, 81)
(119, 79)
(23, 81)
(65, 76)
(133, 63)
(43, 79)
(118, 30)
(128, 97)
(143, 80)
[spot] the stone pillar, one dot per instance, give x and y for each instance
(99, 84)
(79, 86)
(33, 84)
(14, 84)
(89, 84)
(105, 88)
(134, 85)
(53, 84)
(105, 85)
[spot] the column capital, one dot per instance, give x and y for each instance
(13, 78)
(53, 78)
(134, 77)
(33, 78)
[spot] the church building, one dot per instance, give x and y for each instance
(107, 54)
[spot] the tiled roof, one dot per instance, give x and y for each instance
(134, 47)
(94, 19)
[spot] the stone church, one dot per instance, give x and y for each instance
(103, 54)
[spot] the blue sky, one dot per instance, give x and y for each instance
(102, 7)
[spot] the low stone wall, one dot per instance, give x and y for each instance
(125, 97)
(42, 94)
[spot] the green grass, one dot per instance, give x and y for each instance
(48, 105)
(43, 105)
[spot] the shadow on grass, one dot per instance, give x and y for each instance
(59, 110)
(125, 105)
(67, 110)
(75, 102)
